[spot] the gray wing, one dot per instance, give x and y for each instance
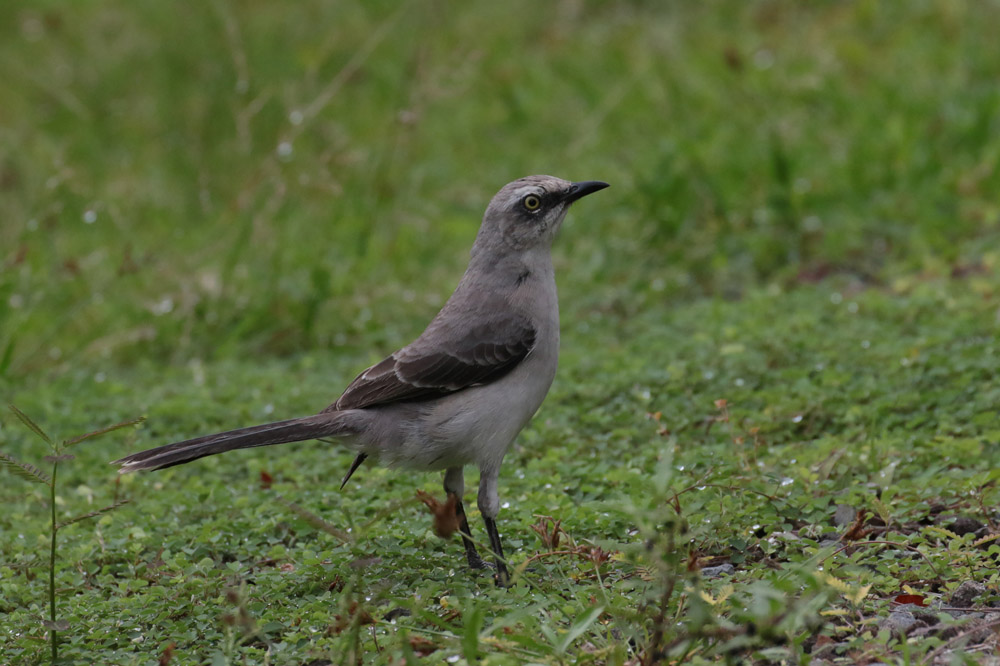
(445, 359)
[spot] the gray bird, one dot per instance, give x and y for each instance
(460, 393)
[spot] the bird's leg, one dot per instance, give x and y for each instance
(503, 577)
(489, 506)
(454, 484)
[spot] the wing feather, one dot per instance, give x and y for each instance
(444, 360)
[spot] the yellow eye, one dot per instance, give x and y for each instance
(532, 202)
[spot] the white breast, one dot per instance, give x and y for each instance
(478, 424)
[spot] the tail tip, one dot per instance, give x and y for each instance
(125, 465)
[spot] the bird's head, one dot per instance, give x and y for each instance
(528, 212)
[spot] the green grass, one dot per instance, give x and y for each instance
(214, 214)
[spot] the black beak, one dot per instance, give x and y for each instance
(582, 189)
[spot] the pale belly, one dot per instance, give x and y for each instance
(474, 426)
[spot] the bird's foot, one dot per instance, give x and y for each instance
(502, 578)
(479, 563)
(500, 575)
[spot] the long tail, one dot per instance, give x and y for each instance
(294, 430)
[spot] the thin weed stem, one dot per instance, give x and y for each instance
(52, 565)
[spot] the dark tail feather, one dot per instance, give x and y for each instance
(361, 457)
(295, 430)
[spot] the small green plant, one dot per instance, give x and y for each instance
(36, 475)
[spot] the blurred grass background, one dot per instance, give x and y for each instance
(216, 213)
(195, 180)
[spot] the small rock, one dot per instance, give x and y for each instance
(715, 572)
(966, 593)
(964, 525)
(898, 622)
(927, 619)
(945, 632)
(844, 515)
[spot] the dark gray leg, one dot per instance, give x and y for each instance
(489, 506)
(503, 577)
(454, 484)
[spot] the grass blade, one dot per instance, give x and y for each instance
(470, 635)
(93, 514)
(315, 520)
(550, 636)
(26, 420)
(24, 470)
(104, 431)
(8, 355)
(581, 625)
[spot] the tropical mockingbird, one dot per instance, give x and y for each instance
(460, 393)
